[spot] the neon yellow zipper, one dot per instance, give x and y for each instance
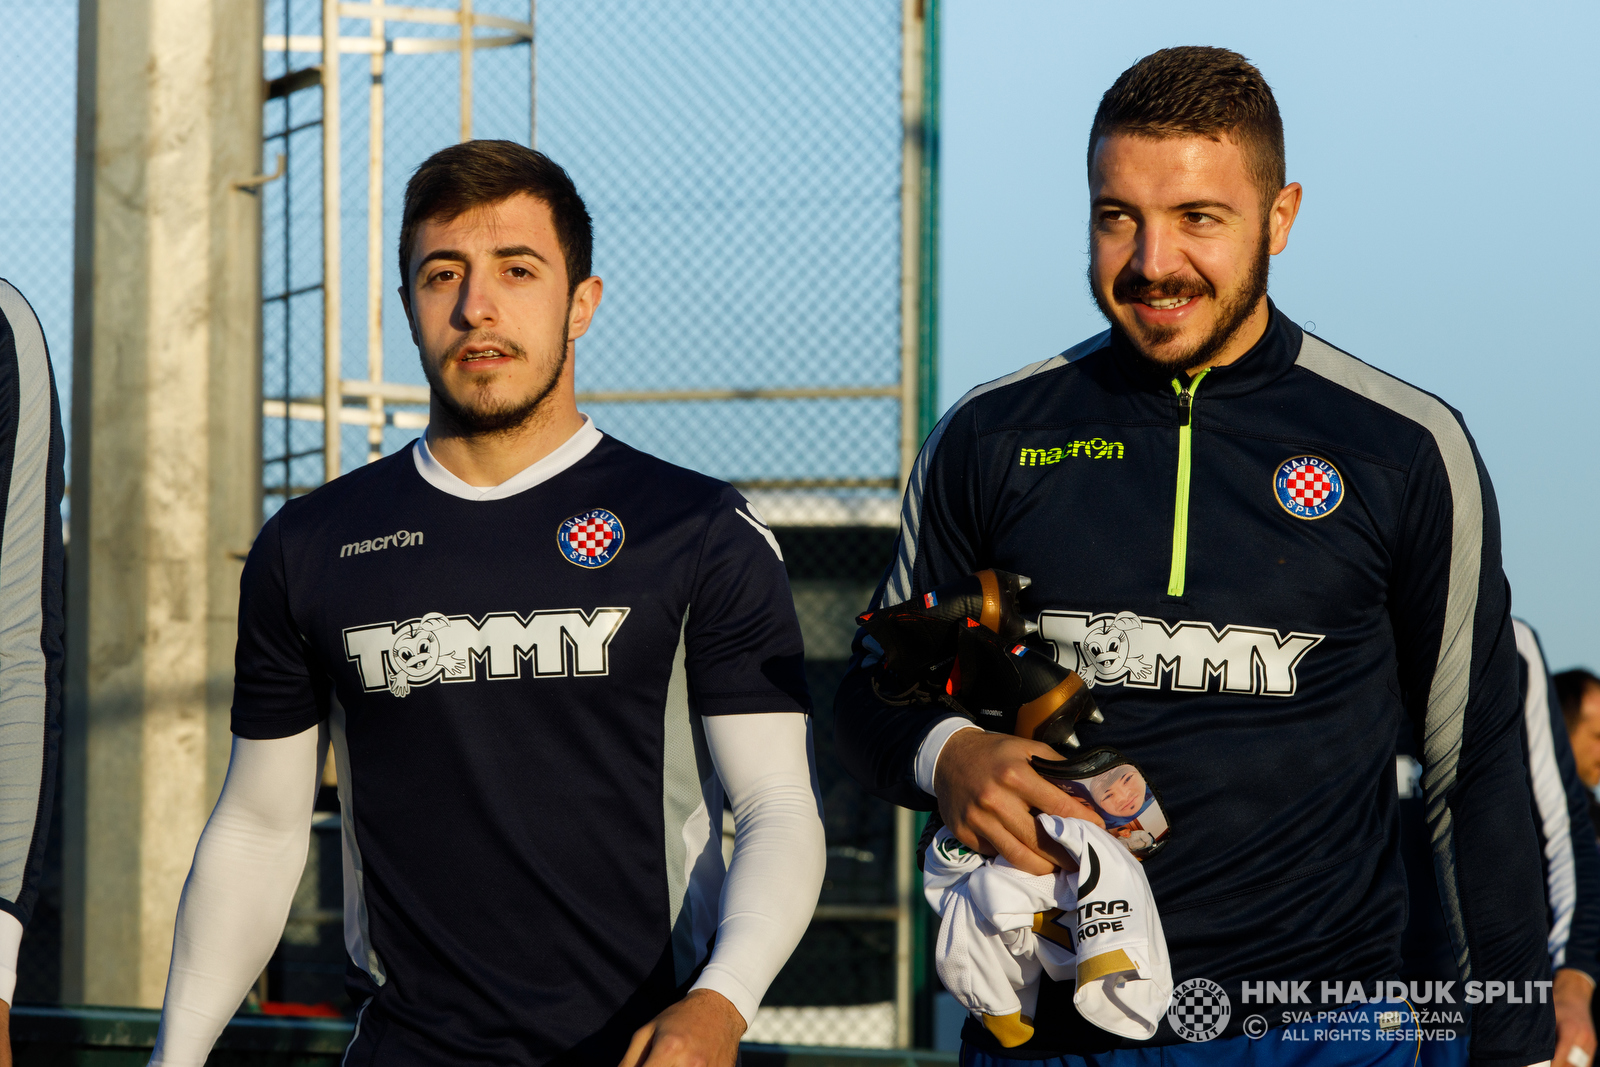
(1180, 508)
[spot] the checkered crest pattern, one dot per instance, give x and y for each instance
(591, 539)
(1307, 486)
(1200, 1010)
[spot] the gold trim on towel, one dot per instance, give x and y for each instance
(1106, 963)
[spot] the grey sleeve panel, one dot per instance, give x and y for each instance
(1447, 696)
(357, 930)
(899, 585)
(30, 588)
(691, 817)
(1549, 796)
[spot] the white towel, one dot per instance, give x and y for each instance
(1000, 928)
(1124, 973)
(993, 973)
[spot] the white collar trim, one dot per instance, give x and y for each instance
(577, 446)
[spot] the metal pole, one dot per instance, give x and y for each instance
(929, 263)
(466, 70)
(533, 74)
(332, 367)
(375, 239)
(904, 868)
(911, 178)
(911, 150)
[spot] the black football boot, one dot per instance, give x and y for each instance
(1012, 688)
(918, 637)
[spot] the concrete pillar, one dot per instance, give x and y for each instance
(165, 465)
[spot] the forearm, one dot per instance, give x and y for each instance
(779, 852)
(237, 896)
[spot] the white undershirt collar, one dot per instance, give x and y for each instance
(577, 446)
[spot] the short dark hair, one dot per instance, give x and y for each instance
(474, 174)
(1198, 91)
(1570, 687)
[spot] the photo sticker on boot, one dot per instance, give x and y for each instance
(1122, 797)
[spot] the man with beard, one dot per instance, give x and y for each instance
(1312, 552)
(542, 659)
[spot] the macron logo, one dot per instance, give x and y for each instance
(400, 539)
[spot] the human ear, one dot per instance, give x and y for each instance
(1281, 216)
(582, 306)
(411, 320)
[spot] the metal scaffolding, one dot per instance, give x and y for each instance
(377, 44)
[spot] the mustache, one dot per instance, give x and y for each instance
(1130, 287)
(504, 344)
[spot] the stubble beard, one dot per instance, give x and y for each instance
(479, 416)
(1234, 309)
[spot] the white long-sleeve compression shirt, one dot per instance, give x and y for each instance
(254, 846)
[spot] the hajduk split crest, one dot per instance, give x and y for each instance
(590, 539)
(1308, 487)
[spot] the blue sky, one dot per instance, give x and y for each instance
(1446, 150)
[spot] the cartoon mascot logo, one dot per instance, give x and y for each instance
(1106, 651)
(422, 651)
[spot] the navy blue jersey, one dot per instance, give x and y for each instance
(1268, 573)
(32, 479)
(1561, 805)
(532, 826)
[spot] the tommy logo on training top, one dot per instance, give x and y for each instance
(590, 539)
(446, 648)
(1138, 651)
(1308, 487)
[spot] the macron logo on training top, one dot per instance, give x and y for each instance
(1138, 651)
(400, 655)
(398, 539)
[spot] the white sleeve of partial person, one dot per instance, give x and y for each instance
(10, 945)
(932, 745)
(236, 899)
(766, 763)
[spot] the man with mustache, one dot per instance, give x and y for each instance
(1312, 552)
(538, 690)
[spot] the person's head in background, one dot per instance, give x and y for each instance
(1579, 693)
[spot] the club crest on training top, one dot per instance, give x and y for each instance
(1308, 487)
(590, 539)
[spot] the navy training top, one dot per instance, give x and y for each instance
(1268, 574)
(532, 826)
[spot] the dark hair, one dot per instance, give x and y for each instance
(473, 174)
(1194, 90)
(1570, 687)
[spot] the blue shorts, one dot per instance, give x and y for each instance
(1296, 1045)
(1445, 1053)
